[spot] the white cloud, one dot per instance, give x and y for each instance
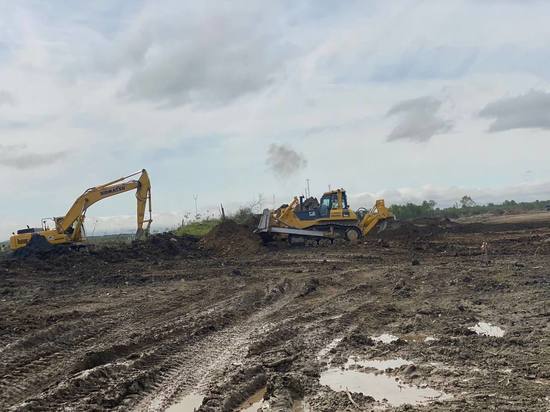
(207, 53)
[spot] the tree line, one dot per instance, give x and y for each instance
(466, 206)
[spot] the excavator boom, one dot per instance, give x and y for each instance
(70, 228)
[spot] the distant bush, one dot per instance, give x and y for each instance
(242, 215)
(411, 211)
(197, 228)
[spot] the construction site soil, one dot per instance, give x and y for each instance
(419, 317)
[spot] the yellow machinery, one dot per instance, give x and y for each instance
(330, 218)
(69, 229)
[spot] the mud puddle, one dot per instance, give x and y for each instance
(486, 329)
(257, 401)
(324, 352)
(188, 403)
(254, 403)
(385, 338)
(377, 364)
(378, 385)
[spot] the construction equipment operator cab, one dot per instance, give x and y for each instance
(330, 201)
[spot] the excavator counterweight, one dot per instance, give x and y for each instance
(69, 229)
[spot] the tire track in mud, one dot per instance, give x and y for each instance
(104, 370)
(142, 359)
(24, 373)
(205, 362)
(294, 335)
(54, 353)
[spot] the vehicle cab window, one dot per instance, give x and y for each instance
(324, 208)
(344, 201)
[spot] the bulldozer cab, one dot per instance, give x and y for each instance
(334, 204)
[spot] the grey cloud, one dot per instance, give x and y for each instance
(18, 157)
(528, 111)
(200, 55)
(284, 161)
(6, 98)
(419, 120)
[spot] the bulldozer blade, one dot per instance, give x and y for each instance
(382, 226)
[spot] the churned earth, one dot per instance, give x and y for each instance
(419, 317)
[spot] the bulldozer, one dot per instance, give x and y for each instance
(69, 229)
(330, 218)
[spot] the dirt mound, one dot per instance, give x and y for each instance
(411, 230)
(42, 254)
(439, 222)
(158, 246)
(231, 239)
(38, 247)
(166, 244)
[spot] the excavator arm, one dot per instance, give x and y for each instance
(73, 221)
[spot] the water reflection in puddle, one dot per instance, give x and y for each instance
(300, 406)
(377, 364)
(255, 402)
(385, 338)
(378, 385)
(484, 328)
(188, 403)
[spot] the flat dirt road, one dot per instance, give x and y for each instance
(418, 319)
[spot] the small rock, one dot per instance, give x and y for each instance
(415, 262)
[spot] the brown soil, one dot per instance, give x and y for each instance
(139, 327)
(231, 239)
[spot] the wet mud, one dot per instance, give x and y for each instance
(416, 318)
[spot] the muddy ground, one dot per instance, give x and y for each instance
(177, 324)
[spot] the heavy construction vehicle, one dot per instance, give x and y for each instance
(330, 218)
(69, 229)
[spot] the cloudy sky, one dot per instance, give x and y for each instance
(228, 100)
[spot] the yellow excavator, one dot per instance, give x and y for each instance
(69, 229)
(330, 218)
